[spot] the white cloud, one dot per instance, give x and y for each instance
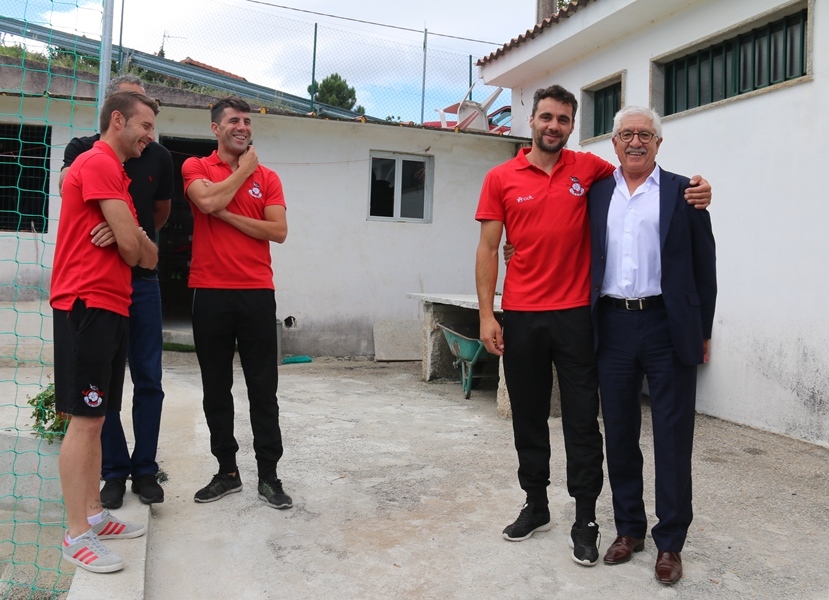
(274, 47)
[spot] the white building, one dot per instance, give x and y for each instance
(743, 87)
(374, 211)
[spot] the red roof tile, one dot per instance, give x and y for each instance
(562, 14)
(195, 63)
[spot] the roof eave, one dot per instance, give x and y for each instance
(557, 42)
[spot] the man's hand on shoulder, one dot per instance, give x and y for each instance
(698, 193)
(509, 250)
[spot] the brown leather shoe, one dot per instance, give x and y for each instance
(622, 549)
(668, 567)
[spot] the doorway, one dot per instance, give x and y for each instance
(175, 239)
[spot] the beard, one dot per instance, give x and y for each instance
(551, 148)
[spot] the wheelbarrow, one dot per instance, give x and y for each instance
(468, 351)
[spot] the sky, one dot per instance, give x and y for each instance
(269, 44)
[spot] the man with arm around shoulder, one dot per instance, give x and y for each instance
(539, 199)
(653, 293)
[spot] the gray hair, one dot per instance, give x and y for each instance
(639, 111)
(115, 82)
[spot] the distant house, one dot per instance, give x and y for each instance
(375, 210)
(743, 86)
(206, 67)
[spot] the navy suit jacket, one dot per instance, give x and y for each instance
(689, 276)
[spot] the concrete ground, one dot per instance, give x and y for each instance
(401, 489)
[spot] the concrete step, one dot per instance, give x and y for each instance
(128, 583)
(177, 331)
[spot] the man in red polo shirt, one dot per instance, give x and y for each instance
(539, 197)
(90, 298)
(151, 187)
(238, 209)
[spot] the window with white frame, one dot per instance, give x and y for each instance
(767, 55)
(400, 187)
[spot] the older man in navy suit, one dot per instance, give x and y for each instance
(653, 278)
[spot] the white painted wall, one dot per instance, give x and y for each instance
(763, 155)
(337, 273)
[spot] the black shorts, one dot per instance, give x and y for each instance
(90, 358)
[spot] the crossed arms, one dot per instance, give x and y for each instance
(213, 197)
(134, 246)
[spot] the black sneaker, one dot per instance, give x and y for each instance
(147, 488)
(221, 485)
(527, 523)
(112, 494)
(270, 490)
(585, 540)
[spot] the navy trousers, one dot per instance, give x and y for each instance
(633, 344)
(144, 356)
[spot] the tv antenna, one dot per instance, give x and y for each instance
(166, 36)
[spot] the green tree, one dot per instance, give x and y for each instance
(334, 90)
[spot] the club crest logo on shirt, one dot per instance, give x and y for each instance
(576, 189)
(255, 191)
(93, 397)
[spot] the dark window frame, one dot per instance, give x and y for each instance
(25, 158)
(742, 64)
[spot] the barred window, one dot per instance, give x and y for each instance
(762, 57)
(24, 177)
(606, 103)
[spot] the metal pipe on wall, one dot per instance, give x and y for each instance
(106, 53)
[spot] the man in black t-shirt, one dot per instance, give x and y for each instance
(151, 190)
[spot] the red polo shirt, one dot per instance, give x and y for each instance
(545, 217)
(224, 257)
(98, 276)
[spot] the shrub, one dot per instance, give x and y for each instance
(49, 423)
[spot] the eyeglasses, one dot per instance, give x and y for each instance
(627, 136)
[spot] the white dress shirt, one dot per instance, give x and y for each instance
(633, 268)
